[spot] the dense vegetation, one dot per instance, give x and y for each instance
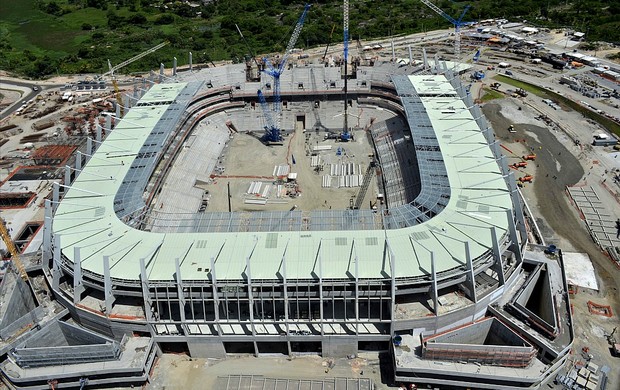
(45, 37)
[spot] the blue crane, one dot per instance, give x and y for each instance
(345, 135)
(272, 132)
(276, 70)
(456, 22)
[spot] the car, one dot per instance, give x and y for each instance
(35, 88)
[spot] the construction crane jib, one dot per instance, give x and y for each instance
(456, 22)
(15, 259)
(113, 69)
(276, 71)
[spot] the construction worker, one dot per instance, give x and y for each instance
(618, 228)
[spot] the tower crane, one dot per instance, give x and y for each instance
(456, 22)
(345, 135)
(275, 71)
(113, 69)
(6, 237)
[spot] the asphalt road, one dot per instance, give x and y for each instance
(11, 109)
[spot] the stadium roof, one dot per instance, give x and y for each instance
(479, 199)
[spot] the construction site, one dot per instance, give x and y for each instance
(301, 207)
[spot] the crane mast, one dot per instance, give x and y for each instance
(345, 136)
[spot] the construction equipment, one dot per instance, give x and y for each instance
(365, 184)
(113, 69)
(272, 132)
(511, 129)
(275, 71)
(456, 22)
(345, 136)
(613, 344)
(329, 42)
(521, 92)
(6, 237)
(495, 86)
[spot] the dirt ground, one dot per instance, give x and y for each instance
(249, 157)
(202, 373)
(555, 168)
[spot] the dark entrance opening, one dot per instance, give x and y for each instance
(237, 347)
(279, 348)
(174, 348)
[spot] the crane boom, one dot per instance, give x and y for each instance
(132, 59)
(6, 237)
(457, 25)
(275, 72)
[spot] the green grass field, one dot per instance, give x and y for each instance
(490, 94)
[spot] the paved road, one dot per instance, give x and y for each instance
(27, 88)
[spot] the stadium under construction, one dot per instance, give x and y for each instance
(423, 253)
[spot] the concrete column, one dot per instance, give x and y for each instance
(285, 287)
(55, 197)
(107, 286)
(248, 273)
(56, 270)
(321, 295)
(179, 281)
(144, 282)
(216, 300)
(497, 255)
(126, 102)
(410, 55)
(424, 58)
(161, 73)
(190, 61)
(512, 231)
(392, 287)
(78, 282)
(393, 51)
(89, 148)
(108, 123)
(435, 294)
(67, 175)
(99, 135)
(78, 161)
(357, 295)
(118, 110)
(470, 274)
(47, 235)
(174, 66)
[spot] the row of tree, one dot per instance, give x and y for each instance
(208, 27)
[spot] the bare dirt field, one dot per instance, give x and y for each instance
(556, 167)
(248, 160)
(202, 373)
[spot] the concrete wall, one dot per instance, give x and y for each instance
(339, 346)
(206, 348)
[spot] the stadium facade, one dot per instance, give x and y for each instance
(442, 253)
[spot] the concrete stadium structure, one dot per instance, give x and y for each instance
(449, 243)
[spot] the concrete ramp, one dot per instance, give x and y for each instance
(488, 341)
(61, 343)
(18, 307)
(535, 303)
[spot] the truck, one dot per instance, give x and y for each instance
(603, 139)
